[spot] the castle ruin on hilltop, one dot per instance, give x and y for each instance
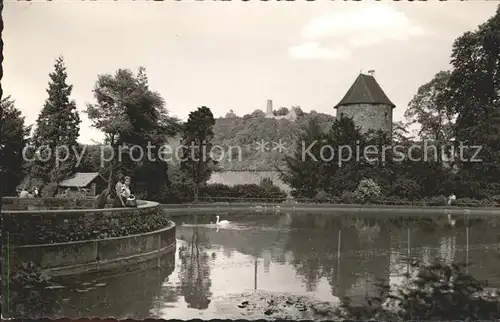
(291, 116)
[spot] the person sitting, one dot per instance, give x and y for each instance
(451, 198)
(25, 194)
(126, 187)
(126, 194)
(118, 200)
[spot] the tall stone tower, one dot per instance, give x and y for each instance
(269, 109)
(366, 103)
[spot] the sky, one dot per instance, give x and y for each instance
(232, 55)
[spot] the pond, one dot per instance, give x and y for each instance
(325, 256)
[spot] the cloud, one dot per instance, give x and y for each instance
(313, 50)
(364, 26)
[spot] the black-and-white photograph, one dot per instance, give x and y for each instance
(203, 159)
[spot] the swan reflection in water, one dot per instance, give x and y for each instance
(451, 221)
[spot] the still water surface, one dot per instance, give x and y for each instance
(321, 255)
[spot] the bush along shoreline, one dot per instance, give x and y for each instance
(181, 193)
(216, 193)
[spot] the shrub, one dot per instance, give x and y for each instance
(253, 191)
(49, 190)
(394, 200)
(437, 201)
(467, 202)
(406, 189)
(216, 190)
(367, 191)
(266, 182)
(437, 292)
(322, 196)
(347, 197)
(182, 193)
(177, 193)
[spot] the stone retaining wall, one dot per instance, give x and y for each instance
(89, 256)
(33, 227)
(13, 203)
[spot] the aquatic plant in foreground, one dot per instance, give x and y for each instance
(436, 292)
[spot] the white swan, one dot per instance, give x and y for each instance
(222, 222)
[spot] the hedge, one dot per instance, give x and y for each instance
(179, 193)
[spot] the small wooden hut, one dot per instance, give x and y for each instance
(89, 182)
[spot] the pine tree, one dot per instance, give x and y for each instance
(304, 170)
(58, 124)
(197, 164)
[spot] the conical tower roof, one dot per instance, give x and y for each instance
(365, 90)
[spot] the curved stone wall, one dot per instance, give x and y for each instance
(77, 241)
(90, 256)
(34, 227)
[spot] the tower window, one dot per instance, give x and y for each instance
(341, 114)
(386, 116)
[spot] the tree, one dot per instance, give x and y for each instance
(426, 109)
(346, 166)
(13, 138)
(299, 111)
(303, 170)
(57, 125)
(108, 114)
(150, 125)
(406, 189)
(257, 113)
(132, 117)
(281, 112)
(400, 134)
(197, 163)
(429, 111)
(473, 93)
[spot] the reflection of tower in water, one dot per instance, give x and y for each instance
(447, 249)
(371, 265)
(266, 255)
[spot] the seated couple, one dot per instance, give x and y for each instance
(124, 198)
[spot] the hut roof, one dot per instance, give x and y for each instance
(79, 179)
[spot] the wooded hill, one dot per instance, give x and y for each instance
(249, 131)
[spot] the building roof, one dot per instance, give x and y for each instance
(79, 179)
(365, 90)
